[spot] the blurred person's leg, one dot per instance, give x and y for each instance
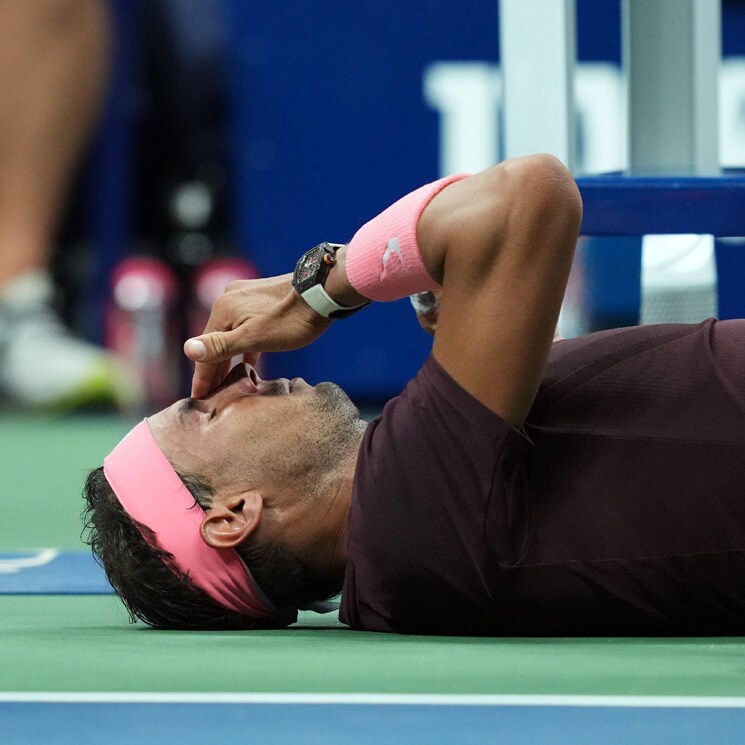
(53, 70)
(54, 57)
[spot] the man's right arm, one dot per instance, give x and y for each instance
(500, 243)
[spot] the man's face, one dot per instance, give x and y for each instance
(253, 433)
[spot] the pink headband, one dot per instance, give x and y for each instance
(152, 493)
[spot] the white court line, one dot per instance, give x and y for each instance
(405, 699)
(13, 564)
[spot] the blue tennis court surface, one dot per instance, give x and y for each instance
(51, 572)
(26, 723)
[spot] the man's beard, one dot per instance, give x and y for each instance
(333, 434)
(332, 400)
(338, 423)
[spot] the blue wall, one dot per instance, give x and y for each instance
(332, 126)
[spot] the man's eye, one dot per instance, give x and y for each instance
(213, 414)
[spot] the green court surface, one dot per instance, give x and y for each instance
(69, 643)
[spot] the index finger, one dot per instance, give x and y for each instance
(207, 376)
(252, 358)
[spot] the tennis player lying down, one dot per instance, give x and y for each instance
(589, 486)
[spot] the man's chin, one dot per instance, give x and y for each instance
(333, 400)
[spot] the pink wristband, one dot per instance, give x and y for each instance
(383, 260)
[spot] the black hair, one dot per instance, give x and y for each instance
(154, 592)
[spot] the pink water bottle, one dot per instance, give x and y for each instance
(141, 326)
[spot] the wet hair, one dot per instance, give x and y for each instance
(160, 596)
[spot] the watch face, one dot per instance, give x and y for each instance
(311, 269)
(308, 265)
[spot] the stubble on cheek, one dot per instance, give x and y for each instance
(295, 437)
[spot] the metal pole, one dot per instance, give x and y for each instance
(538, 53)
(672, 54)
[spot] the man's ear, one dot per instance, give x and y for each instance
(230, 521)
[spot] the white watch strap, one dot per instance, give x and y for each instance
(321, 301)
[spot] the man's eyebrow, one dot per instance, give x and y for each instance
(186, 405)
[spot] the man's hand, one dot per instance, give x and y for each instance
(427, 308)
(252, 316)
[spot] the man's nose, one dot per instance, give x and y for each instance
(242, 380)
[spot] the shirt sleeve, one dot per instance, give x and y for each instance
(427, 470)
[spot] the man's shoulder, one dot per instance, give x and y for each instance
(431, 415)
(422, 487)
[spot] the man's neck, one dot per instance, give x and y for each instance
(330, 548)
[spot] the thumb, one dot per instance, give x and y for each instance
(214, 347)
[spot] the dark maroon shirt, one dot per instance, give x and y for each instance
(618, 509)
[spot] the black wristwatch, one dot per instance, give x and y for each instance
(310, 276)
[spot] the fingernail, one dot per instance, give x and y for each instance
(196, 349)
